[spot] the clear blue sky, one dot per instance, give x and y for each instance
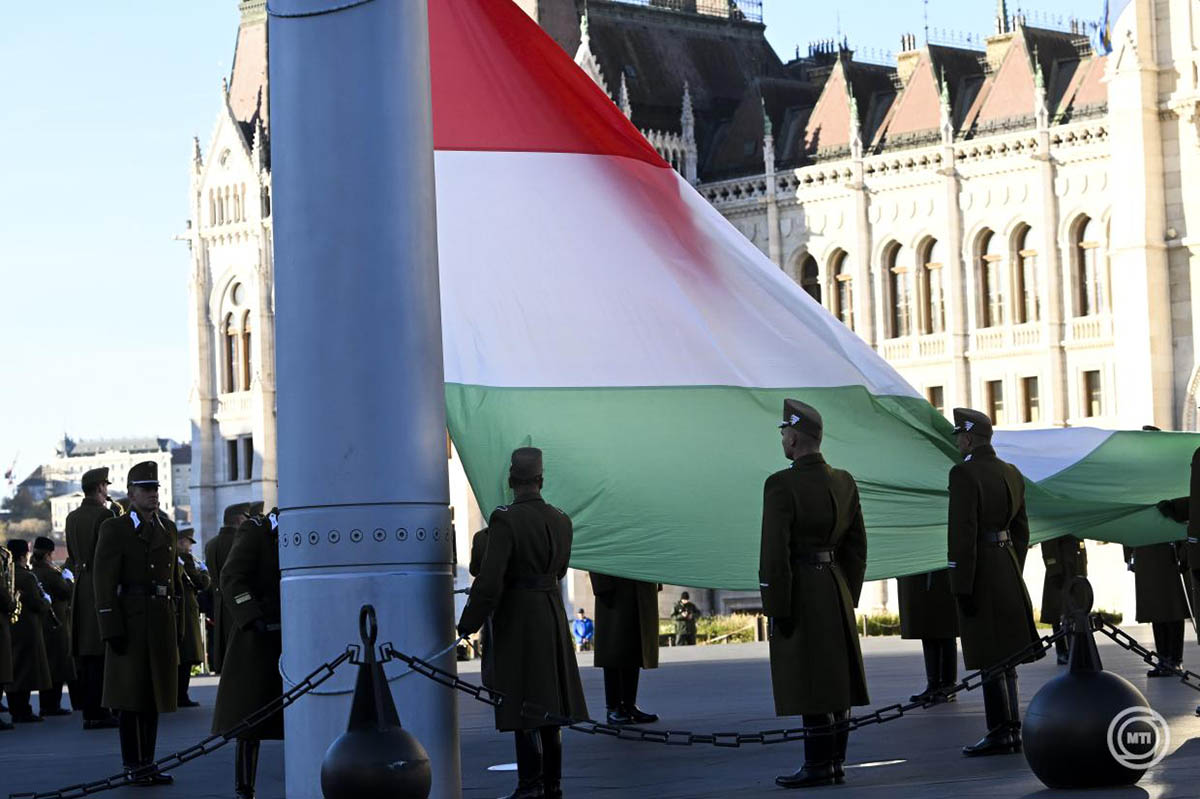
(101, 103)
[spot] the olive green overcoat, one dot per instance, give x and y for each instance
(83, 528)
(626, 622)
(8, 604)
(135, 556)
(216, 550)
(250, 675)
(1158, 582)
(1065, 558)
(531, 657)
(987, 496)
(927, 608)
(56, 626)
(31, 664)
(191, 580)
(812, 508)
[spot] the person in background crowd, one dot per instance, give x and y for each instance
(56, 631)
(192, 579)
(31, 670)
(583, 629)
(685, 613)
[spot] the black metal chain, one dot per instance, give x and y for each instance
(1126, 641)
(496, 698)
(210, 744)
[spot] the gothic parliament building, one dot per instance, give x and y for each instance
(1006, 223)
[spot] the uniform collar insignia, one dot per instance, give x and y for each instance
(968, 424)
(966, 457)
(274, 521)
(137, 520)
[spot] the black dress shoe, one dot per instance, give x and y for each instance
(925, 696)
(27, 719)
(58, 711)
(109, 723)
(1161, 670)
(640, 716)
(810, 776)
(552, 789)
(618, 716)
(160, 778)
(996, 742)
(531, 790)
(187, 702)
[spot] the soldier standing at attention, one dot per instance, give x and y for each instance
(215, 552)
(626, 642)
(810, 573)
(8, 604)
(250, 677)
(32, 666)
(928, 612)
(87, 647)
(1161, 600)
(192, 578)
(1065, 559)
(685, 614)
(530, 658)
(135, 580)
(55, 629)
(987, 538)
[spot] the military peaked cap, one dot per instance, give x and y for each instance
(254, 508)
(234, 513)
(186, 532)
(143, 474)
(43, 544)
(972, 421)
(94, 477)
(526, 464)
(803, 417)
(18, 546)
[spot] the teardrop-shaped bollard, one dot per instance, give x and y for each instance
(375, 758)
(1089, 728)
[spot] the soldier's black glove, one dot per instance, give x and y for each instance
(783, 626)
(1167, 508)
(966, 603)
(463, 631)
(118, 644)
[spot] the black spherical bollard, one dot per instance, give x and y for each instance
(375, 758)
(1089, 728)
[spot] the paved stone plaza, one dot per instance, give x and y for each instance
(706, 689)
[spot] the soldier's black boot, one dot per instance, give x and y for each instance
(629, 689)
(933, 670)
(529, 766)
(1062, 649)
(148, 729)
(841, 739)
(818, 768)
(245, 768)
(948, 667)
(1014, 709)
(998, 740)
(131, 746)
(551, 762)
(614, 697)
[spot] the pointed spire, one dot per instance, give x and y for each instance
(1039, 80)
(197, 157)
(947, 111)
(767, 130)
(687, 129)
(1001, 17)
(623, 99)
(856, 142)
(688, 115)
(583, 23)
(1041, 111)
(257, 155)
(225, 89)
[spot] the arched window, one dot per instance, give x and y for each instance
(220, 207)
(843, 288)
(231, 355)
(1027, 306)
(898, 299)
(237, 207)
(991, 280)
(1091, 259)
(243, 195)
(810, 277)
(212, 208)
(246, 351)
(933, 299)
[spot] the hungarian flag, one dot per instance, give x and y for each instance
(596, 306)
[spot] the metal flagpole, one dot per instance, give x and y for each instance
(361, 405)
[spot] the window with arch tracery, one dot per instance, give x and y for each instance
(898, 295)
(991, 280)
(246, 351)
(933, 295)
(843, 288)
(1091, 267)
(212, 208)
(230, 370)
(810, 277)
(1026, 302)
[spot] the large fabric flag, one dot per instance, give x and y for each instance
(594, 305)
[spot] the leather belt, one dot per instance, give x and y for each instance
(153, 590)
(537, 582)
(822, 557)
(1000, 537)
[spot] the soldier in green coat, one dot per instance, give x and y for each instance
(531, 657)
(250, 677)
(216, 550)
(810, 572)
(987, 538)
(192, 578)
(8, 604)
(1161, 598)
(135, 584)
(31, 670)
(87, 647)
(1065, 558)
(626, 641)
(928, 613)
(685, 613)
(55, 627)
